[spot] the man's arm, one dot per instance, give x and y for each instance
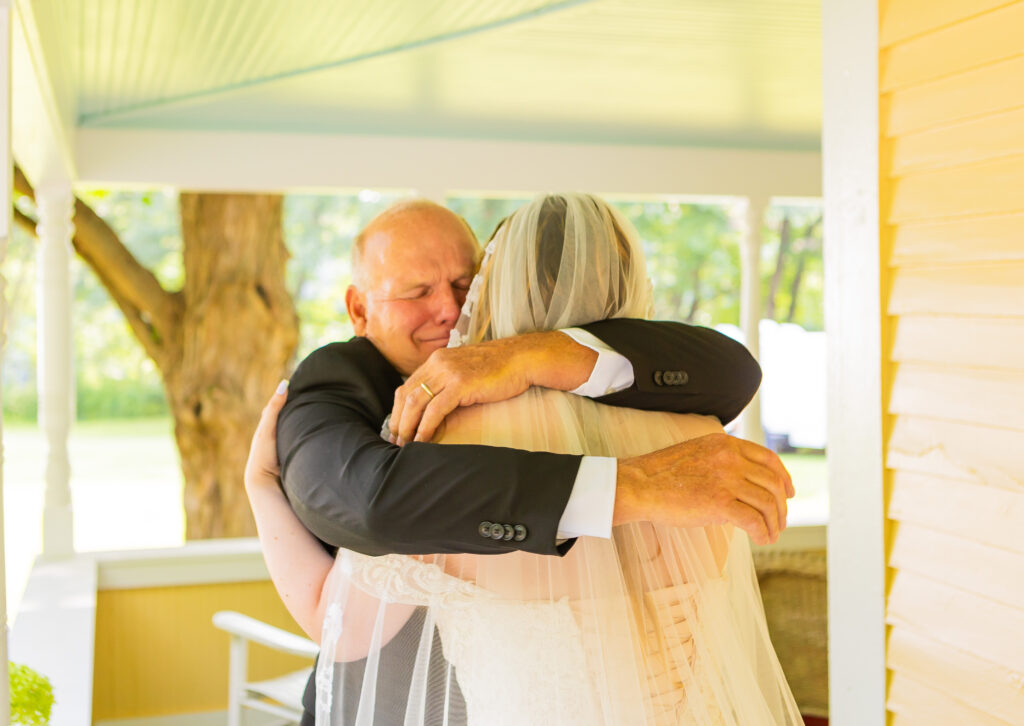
(680, 368)
(675, 367)
(352, 489)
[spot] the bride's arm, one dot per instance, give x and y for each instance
(301, 569)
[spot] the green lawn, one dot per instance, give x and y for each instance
(126, 490)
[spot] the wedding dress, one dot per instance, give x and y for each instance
(655, 626)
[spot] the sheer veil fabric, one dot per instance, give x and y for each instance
(654, 626)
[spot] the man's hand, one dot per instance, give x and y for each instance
(485, 373)
(713, 479)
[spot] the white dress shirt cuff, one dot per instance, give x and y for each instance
(592, 502)
(612, 373)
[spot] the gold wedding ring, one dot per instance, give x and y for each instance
(424, 387)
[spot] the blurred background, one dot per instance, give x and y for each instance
(122, 448)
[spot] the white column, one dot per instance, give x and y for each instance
(750, 305)
(55, 203)
(856, 401)
(5, 229)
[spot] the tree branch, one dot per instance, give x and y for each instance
(152, 312)
(25, 222)
(21, 184)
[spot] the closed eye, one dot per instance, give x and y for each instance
(416, 293)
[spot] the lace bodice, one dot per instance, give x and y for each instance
(532, 662)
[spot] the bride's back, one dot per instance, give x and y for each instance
(653, 626)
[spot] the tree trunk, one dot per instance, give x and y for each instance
(221, 344)
(794, 288)
(237, 335)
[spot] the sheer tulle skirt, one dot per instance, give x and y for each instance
(654, 626)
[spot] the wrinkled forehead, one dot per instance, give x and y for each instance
(420, 241)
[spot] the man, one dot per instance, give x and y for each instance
(412, 268)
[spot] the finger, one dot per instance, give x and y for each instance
(434, 413)
(749, 520)
(790, 487)
(775, 464)
(268, 416)
(761, 499)
(769, 480)
(412, 411)
(396, 411)
(766, 457)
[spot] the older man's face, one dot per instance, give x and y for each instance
(418, 266)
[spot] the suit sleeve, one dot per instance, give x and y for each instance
(680, 368)
(352, 489)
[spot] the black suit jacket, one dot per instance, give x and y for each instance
(353, 489)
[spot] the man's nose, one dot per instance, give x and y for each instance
(448, 305)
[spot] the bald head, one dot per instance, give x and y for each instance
(411, 268)
(404, 214)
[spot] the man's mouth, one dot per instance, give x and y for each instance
(433, 341)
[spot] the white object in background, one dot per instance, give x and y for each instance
(793, 390)
(794, 384)
(55, 202)
(285, 691)
(5, 230)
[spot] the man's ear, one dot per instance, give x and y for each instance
(355, 303)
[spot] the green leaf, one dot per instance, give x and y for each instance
(31, 696)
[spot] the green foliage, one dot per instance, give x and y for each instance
(113, 375)
(692, 259)
(31, 696)
(19, 347)
(484, 213)
(792, 268)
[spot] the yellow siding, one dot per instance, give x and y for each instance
(951, 77)
(157, 653)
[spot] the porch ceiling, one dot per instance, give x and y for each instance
(735, 73)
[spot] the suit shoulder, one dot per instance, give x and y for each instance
(339, 362)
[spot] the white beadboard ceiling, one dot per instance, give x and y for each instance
(736, 73)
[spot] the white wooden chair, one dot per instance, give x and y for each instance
(281, 697)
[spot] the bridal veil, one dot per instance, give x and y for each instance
(655, 626)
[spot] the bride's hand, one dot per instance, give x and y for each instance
(262, 468)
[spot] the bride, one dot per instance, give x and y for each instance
(657, 625)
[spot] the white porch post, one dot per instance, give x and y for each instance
(5, 228)
(856, 404)
(55, 202)
(750, 305)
